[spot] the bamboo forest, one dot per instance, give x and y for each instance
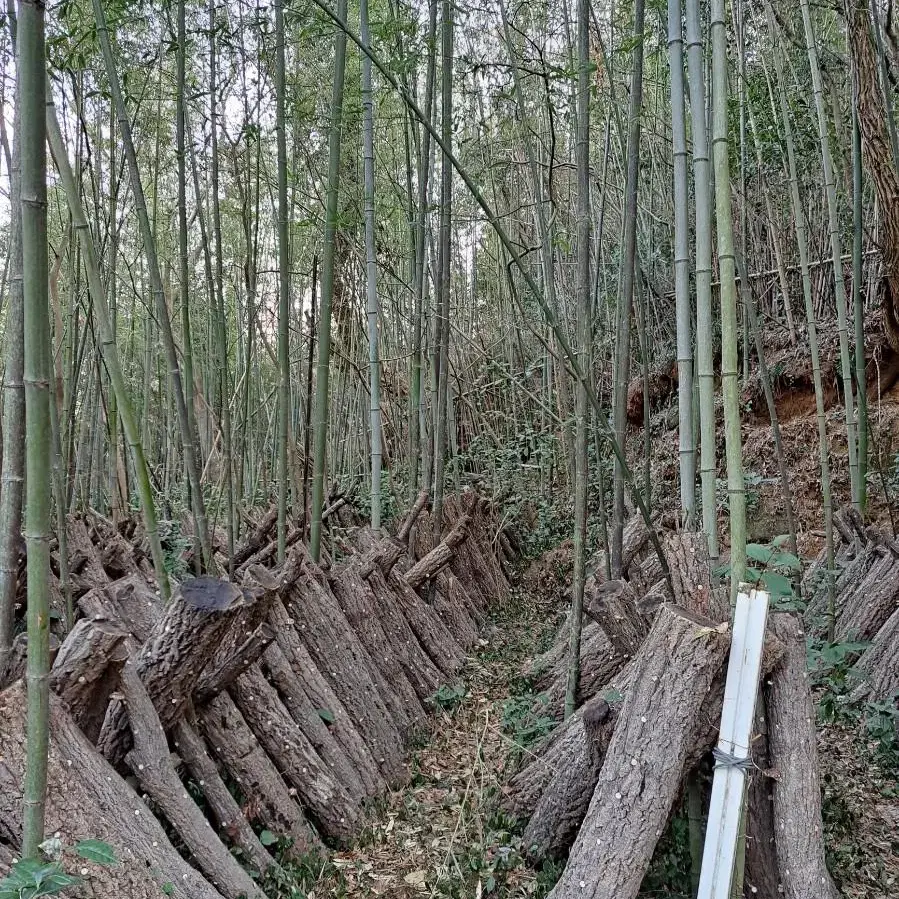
(449, 449)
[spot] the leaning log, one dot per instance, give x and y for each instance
(879, 663)
(287, 746)
(644, 764)
(442, 554)
(150, 762)
(613, 606)
(325, 700)
(267, 799)
(86, 671)
(87, 799)
(346, 666)
(311, 722)
(174, 656)
(383, 643)
(222, 805)
(798, 829)
(564, 802)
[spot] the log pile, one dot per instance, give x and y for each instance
(287, 697)
(605, 783)
(866, 591)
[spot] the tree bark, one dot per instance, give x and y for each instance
(150, 761)
(86, 671)
(267, 799)
(799, 838)
(325, 799)
(644, 764)
(88, 800)
(170, 662)
(225, 810)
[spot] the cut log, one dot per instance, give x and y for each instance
(311, 722)
(86, 799)
(442, 554)
(257, 539)
(171, 661)
(600, 663)
(345, 664)
(428, 627)
(223, 806)
(559, 767)
(761, 879)
(383, 643)
(287, 746)
(798, 830)
(644, 764)
(325, 700)
(564, 802)
(880, 662)
(130, 603)
(150, 761)
(266, 798)
(86, 671)
(456, 609)
(865, 609)
(613, 606)
(230, 664)
(17, 659)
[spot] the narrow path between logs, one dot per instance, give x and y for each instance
(440, 834)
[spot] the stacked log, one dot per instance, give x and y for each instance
(603, 785)
(301, 686)
(866, 592)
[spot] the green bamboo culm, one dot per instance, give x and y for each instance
(585, 332)
(107, 345)
(12, 472)
(31, 85)
(320, 416)
(705, 338)
(154, 273)
(730, 385)
(283, 280)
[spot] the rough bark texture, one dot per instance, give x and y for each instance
(311, 722)
(640, 777)
(878, 156)
(287, 746)
(600, 662)
(428, 627)
(442, 554)
(761, 880)
(383, 644)
(323, 697)
(150, 761)
(225, 811)
(613, 606)
(340, 657)
(799, 840)
(257, 539)
(88, 800)
(180, 646)
(880, 662)
(86, 671)
(266, 798)
(561, 808)
(456, 609)
(130, 603)
(869, 602)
